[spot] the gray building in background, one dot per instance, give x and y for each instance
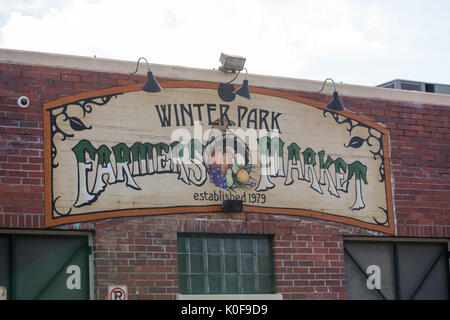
(416, 86)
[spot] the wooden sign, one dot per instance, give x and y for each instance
(124, 152)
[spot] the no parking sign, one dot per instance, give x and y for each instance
(117, 293)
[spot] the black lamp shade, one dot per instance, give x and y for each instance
(151, 85)
(336, 103)
(243, 91)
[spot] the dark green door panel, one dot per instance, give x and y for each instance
(45, 267)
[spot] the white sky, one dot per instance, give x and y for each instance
(366, 42)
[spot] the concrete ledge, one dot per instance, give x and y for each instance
(274, 296)
(184, 73)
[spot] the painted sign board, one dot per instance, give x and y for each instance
(123, 152)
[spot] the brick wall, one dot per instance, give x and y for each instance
(420, 163)
(142, 252)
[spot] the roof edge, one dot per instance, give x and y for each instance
(185, 73)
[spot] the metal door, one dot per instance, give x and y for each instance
(396, 270)
(44, 267)
(4, 267)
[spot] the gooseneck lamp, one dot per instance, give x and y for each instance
(244, 91)
(226, 90)
(336, 103)
(151, 85)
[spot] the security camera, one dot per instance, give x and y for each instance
(23, 102)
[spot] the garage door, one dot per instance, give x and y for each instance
(396, 270)
(44, 267)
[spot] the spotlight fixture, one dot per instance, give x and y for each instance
(244, 91)
(226, 90)
(336, 103)
(232, 206)
(151, 85)
(231, 63)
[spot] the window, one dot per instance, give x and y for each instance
(225, 265)
(411, 86)
(429, 87)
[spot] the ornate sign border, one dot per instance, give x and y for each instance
(99, 97)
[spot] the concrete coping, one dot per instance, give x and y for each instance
(184, 73)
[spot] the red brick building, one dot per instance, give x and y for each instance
(300, 256)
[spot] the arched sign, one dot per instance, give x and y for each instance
(123, 152)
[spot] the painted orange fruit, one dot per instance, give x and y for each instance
(243, 176)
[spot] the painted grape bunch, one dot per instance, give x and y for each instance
(235, 177)
(218, 179)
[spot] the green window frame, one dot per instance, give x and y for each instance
(225, 264)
